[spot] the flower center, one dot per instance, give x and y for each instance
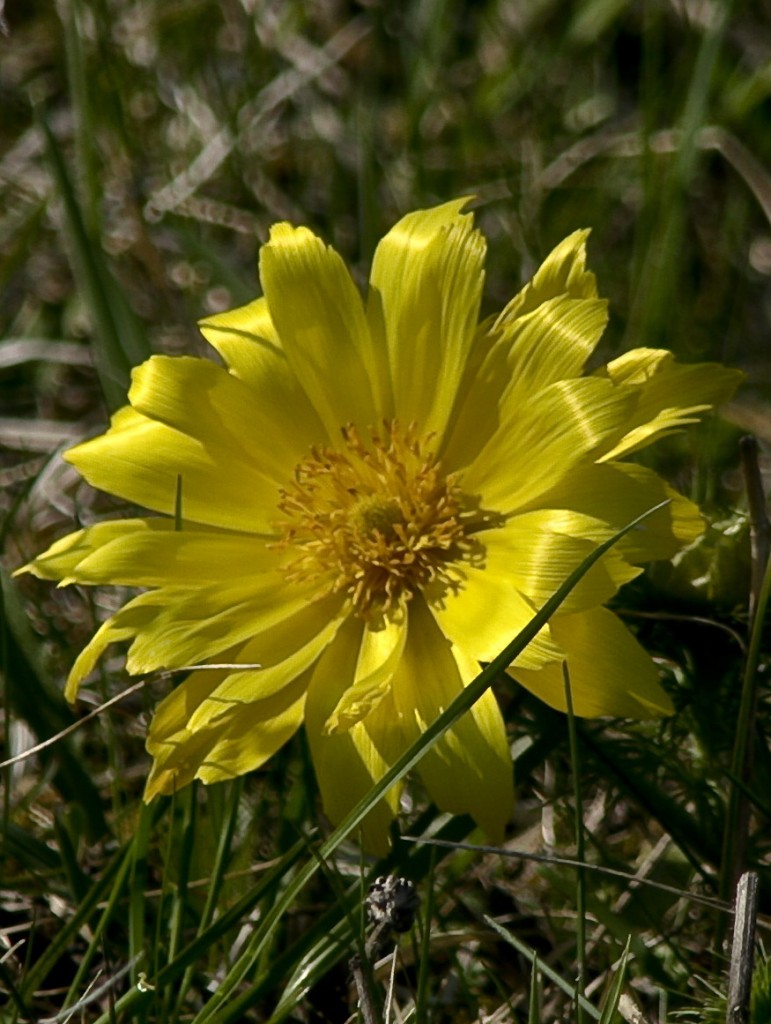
(376, 520)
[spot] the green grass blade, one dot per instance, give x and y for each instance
(534, 1000)
(611, 1006)
(424, 973)
(119, 341)
(108, 915)
(332, 945)
(656, 283)
(76, 878)
(84, 126)
(30, 851)
(138, 887)
(578, 804)
(6, 978)
(337, 931)
(216, 880)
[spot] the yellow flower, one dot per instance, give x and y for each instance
(375, 497)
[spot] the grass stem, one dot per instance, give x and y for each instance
(575, 765)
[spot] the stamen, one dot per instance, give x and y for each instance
(376, 520)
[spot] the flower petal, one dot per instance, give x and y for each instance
(319, 316)
(468, 770)
(537, 551)
(193, 626)
(553, 342)
(284, 652)
(486, 613)
(621, 492)
(528, 354)
(423, 305)
(172, 716)
(610, 673)
(176, 626)
(563, 272)
(379, 656)
(124, 625)
(152, 553)
(247, 341)
(143, 461)
(544, 334)
(671, 394)
(349, 763)
(238, 743)
(243, 336)
(205, 402)
(541, 440)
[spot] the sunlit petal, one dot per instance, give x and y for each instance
(194, 626)
(563, 272)
(425, 291)
(543, 335)
(541, 440)
(237, 743)
(152, 553)
(620, 492)
(347, 763)
(610, 673)
(172, 627)
(469, 770)
(486, 613)
(671, 394)
(275, 656)
(537, 551)
(379, 656)
(319, 317)
(150, 463)
(246, 338)
(132, 618)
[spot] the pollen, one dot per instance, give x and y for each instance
(376, 519)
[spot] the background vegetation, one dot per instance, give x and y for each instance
(145, 149)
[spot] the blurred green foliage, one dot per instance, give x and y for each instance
(190, 127)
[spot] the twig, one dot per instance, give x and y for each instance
(629, 1010)
(540, 858)
(363, 991)
(743, 949)
(75, 725)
